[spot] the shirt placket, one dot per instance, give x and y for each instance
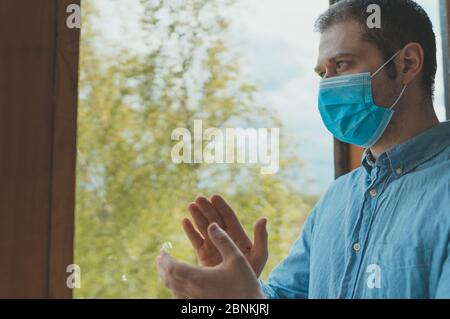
(358, 240)
(372, 194)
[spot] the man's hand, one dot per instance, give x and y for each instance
(233, 278)
(205, 212)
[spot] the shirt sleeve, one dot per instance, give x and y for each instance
(443, 288)
(290, 279)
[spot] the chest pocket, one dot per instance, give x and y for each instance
(397, 271)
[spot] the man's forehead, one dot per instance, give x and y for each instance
(341, 38)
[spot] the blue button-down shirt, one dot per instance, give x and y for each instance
(381, 231)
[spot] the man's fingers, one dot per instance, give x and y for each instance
(260, 239)
(232, 224)
(177, 276)
(195, 238)
(229, 217)
(209, 211)
(199, 219)
(175, 268)
(175, 285)
(223, 242)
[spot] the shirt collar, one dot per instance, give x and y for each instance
(405, 157)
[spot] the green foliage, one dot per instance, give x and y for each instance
(130, 196)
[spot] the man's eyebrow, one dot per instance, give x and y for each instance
(342, 55)
(335, 57)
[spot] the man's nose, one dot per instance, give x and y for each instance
(330, 73)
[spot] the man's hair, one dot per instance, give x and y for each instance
(402, 22)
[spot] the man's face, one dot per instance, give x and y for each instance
(343, 52)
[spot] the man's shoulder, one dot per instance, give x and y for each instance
(438, 166)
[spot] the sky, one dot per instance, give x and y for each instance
(278, 46)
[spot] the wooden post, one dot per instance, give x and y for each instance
(445, 27)
(38, 108)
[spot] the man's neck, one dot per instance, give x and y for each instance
(403, 130)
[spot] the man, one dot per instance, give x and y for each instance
(381, 231)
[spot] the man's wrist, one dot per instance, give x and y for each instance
(258, 294)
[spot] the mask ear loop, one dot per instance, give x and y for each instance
(399, 97)
(381, 68)
(387, 62)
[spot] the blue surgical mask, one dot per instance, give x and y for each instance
(349, 111)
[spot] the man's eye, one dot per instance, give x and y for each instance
(341, 64)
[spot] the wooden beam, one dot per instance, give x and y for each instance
(38, 85)
(341, 158)
(356, 154)
(63, 153)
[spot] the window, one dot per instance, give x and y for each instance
(151, 67)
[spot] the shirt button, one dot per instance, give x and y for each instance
(357, 247)
(399, 171)
(373, 192)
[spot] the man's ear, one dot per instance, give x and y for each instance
(411, 63)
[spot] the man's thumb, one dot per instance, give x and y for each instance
(223, 242)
